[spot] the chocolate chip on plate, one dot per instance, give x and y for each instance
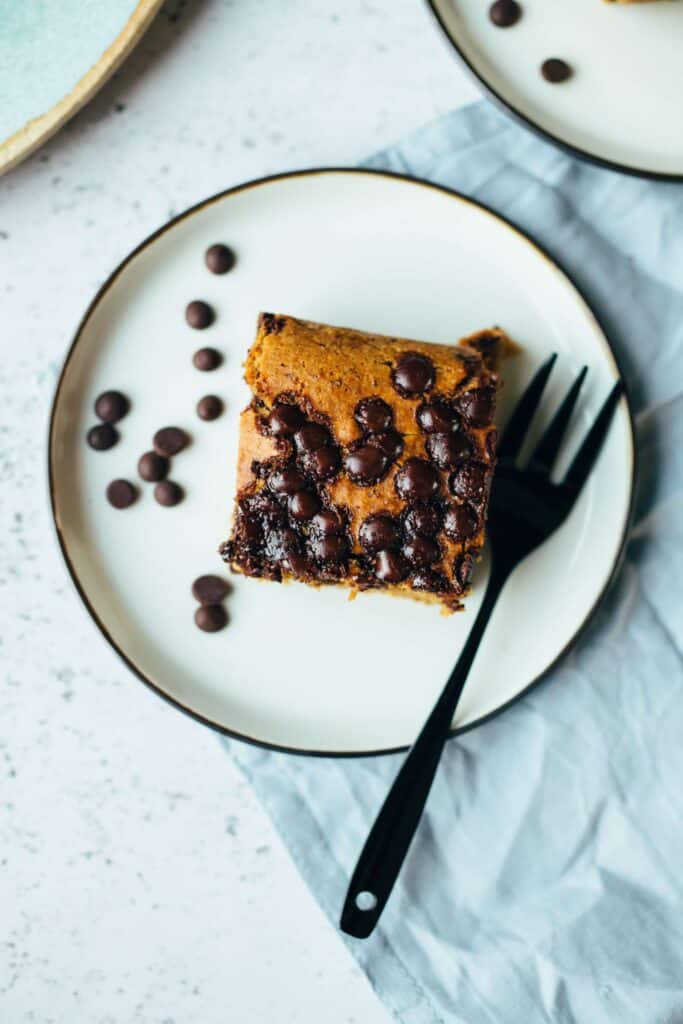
(219, 258)
(153, 467)
(209, 407)
(210, 589)
(505, 13)
(447, 450)
(366, 465)
(199, 314)
(168, 493)
(102, 437)
(413, 374)
(121, 493)
(285, 419)
(170, 440)
(555, 70)
(111, 406)
(207, 359)
(211, 617)
(390, 567)
(416, 479)
(373, 414)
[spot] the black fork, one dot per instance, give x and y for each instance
(526, 507)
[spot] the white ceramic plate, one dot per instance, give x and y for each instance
(299, 668)
(623, 105)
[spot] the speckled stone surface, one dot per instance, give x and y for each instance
(139, 879)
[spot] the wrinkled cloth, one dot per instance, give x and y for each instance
(546, 881)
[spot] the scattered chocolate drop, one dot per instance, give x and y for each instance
(380, 532)
(111, 406)
(555, 70)
(416, 479)
(121, 493)
(422, 520)
(168, 493)
(211, 617)
(389, 441)
(413, 375)
(390, 567)
(470, 480)
(332, 547)
(102, 437)
(287, 480)
(373, 414)
(421, 551)
(322, 463)
(285, 420)
(436, 417)
(460, 522)
(207, 359)
(210, 589)
(169, 441)
(327, 522)
(447, 450)
(209, 407)
(478, 406)
(311, 437)
(303, 505)
(219, 258)
(199, 315)
(366, 465)
(505, 13)
(153, 467)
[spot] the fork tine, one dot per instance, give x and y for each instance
(547, 448)
(584, 460)
(523, 414)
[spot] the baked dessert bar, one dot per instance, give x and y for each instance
(365, 460)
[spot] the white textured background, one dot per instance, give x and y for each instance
(139, 879)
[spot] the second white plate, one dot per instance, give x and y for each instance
(298, 668)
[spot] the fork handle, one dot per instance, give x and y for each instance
(390, 837)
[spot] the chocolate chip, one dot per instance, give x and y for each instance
(430, 581)
(270, 323)
(389, 441)
(390, 567)
(219, 258)
(373, 414)
(102, 437)
(416, 479)
(505, 13)
(327, 522)
(121, 493)
(463, 568)
(211, 617)
(323, 463)
(303, 505)
(207, 359)
(168, 493)
(330, 548)
(421, 551)
(413, 375)
(209, 407)
(199, 314)
(264, 506)
(153, 467)
(248, 531)
(210, 589)
(422, 520)
(170, 440)
(311, 437)
(285, 420)
(279, 543)
(470, 480)
(380, 532)
(555, 70)
(447, 450)
(436, 417)
(478, 406)
(287, 480)
(460, 522)
(366, 465)
(111, 406)
(298, 565)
